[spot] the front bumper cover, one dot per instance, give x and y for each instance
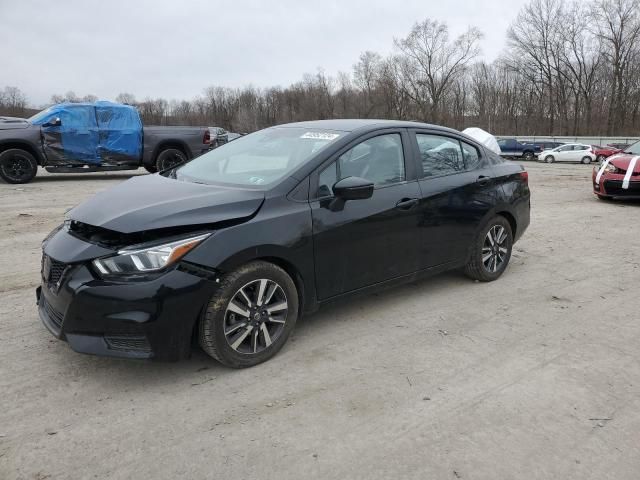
(143, 318)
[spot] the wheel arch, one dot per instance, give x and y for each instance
(301, 275)
(166, 144)
(23, 145)
(511, 219)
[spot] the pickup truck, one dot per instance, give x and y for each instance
(514, 149)
(92, 137)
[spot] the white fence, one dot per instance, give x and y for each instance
(585, 140)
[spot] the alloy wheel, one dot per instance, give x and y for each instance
(17, 167)
(255, 316)
(494, 249)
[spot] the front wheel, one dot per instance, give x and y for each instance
(17, 166)
(586, 160)
(491, 251)
(549, 159)
(251, 315)
(169, 158)
(600, 158)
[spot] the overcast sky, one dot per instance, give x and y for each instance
(174, 49)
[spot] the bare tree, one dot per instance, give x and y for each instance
(433, 62)
(13, 101)
(126, 98)
(617, 24)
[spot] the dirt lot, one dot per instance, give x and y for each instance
(536, 375)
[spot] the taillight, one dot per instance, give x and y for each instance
(524, 175)
(207, 137)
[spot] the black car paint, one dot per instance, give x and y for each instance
(329, 253)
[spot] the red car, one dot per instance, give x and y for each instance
(619, 175)
(603, 152)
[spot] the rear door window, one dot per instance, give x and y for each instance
(439, 155)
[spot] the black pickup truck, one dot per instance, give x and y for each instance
(92, 137)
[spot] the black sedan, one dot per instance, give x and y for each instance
(234, 246)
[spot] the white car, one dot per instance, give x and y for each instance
(572, 152)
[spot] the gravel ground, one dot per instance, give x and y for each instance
(536, 375)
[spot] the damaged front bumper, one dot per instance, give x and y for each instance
(147, 317)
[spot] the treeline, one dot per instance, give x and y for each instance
(569, 68)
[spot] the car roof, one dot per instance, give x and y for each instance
(351, 125)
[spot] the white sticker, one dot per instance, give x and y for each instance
(630, 169)
(321, 135)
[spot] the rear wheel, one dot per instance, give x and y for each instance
(549, 159)
(528, 155)
(491, 251)
(250, 317)
(586, 160)
(169, 158)
(17, 166)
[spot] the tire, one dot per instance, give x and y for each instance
(600, 158)
(150, 168)
(240, 348)
(585, 160)
(169, 158)
(528, 156)
(549, 159)
(487, 270)
(17, 166)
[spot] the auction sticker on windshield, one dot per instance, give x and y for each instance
(321, 135)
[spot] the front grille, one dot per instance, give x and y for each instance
(55, 271)
(52, 271)
(614, 187)
(128, 343)
(54, 315)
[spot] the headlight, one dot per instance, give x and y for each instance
(610, 168)
(141, 259)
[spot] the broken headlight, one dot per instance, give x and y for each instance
(611, 168)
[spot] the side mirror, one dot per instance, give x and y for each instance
(353, 188)
(54, 122)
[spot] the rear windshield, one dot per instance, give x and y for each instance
(261, 158)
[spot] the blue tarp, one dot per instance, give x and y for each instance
(120, 131)
(95, 133)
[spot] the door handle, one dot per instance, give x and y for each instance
(483, 180)
(407, 203)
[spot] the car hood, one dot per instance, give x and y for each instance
(13, 123)
(622, 161)
(152, 202)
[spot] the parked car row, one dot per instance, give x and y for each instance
(549, 151)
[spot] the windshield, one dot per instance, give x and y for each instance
(40, 117)
(261, 158)
(633, 149)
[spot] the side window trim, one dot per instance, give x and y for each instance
(420, 174)
(464, 159)
(418, 160)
